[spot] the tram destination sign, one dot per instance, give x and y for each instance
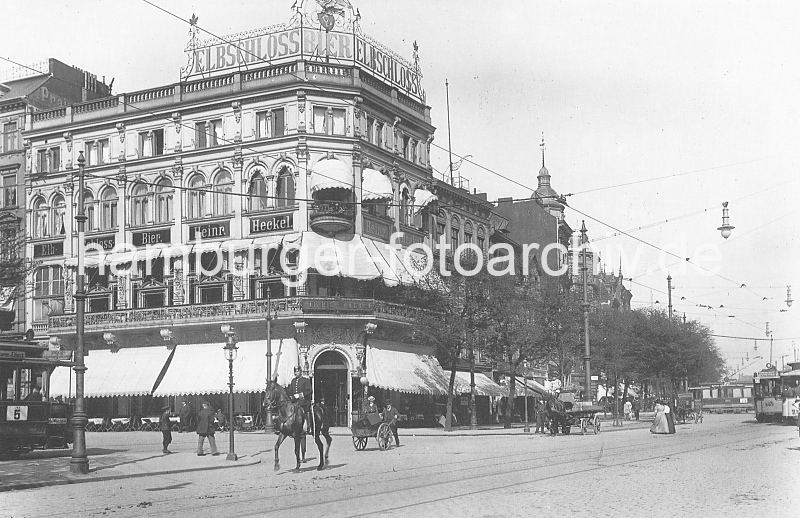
(309, 43)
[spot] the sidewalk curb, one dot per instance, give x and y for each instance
(491, 433)
(79, 479)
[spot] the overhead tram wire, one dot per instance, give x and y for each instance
(183, 125)
(464, 158)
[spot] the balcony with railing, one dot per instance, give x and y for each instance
(330, 217)
(236, 311)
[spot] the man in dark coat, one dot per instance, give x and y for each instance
(206, 428)
(184, 415)
(637, 407)
(391, 416)
(165, 426)
(299, 390)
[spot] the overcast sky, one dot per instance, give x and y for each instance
(623, 91)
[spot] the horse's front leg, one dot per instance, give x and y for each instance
(323, 455)
(297, 452)
(281, 437)
(303, 447)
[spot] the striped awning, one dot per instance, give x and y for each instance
(203, 369)
(133, 371)
(405, 368)
(330, 174)
(375, 185)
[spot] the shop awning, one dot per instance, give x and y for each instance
(534, 387)
(7, 298)
(375, 185)
(358, 257)
(203, 369)
(484, 385)
(330, 174)
(133, 371)
(405, 368)
(422, 197)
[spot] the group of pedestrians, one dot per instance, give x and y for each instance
(205, 426)
(664, 421)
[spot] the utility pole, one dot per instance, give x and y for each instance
(79, 463)
(268, 420)
(768, 332)
(449, 141)
(587, 355)
(669, 296)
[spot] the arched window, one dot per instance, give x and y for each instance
(258, 193)
(164, 194)
(139, 202)
(285, 189)
(482, 238)
(223, 189)
(455, 233)
(48, 293)
(41, 218)
(197, 197)
(58, 215)
(467, 231)
(441, 225)
(108, 209)
(89, 207)
(405, 202)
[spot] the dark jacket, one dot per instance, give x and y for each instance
(164, 423)
(300, 385)
(390, 415)
(205, 422)
(185, 412)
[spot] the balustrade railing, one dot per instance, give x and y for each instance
(232, 311)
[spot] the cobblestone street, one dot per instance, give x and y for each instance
(728, 465)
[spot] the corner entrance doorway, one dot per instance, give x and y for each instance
(331, 377)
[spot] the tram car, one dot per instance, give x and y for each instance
(722, 398)
(777, 394)
(28, 418)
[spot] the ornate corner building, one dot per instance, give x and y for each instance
(303, 136)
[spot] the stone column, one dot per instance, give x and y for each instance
(358, 187)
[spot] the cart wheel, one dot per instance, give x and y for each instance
(384, 435)
(360, 443)
(596, 424)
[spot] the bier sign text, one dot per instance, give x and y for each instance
(270, 224)
(210, 230)
(48, 249)
(154, 237)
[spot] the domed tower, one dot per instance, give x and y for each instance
(548, 197)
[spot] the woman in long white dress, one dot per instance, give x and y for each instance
(660, 420)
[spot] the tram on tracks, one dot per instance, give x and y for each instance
(28, 418)
(777, 394)
(722, 398)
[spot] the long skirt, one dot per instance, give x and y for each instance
(670, 423)
(659, 424)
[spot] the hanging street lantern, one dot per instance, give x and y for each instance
(726, 227)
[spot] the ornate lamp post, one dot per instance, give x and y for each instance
(369, 328)
(268, 418)
(79, 463)
(527, 428)
(230, 354)
(587, 355)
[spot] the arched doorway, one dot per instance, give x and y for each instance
(331, 379)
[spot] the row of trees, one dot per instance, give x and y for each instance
(516, 321)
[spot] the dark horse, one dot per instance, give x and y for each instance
(292, 423)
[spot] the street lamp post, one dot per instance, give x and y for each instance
(230, 354)
(369, 328)
(587, 355)
(268, 417)
(79, 463)
(527, 428)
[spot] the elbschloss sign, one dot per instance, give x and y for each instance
(267, 224)
(312, 44)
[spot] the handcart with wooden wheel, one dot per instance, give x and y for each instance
(371, 425)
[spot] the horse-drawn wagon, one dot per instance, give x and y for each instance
(564, 412)
(371, 425)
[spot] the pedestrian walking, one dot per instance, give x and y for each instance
(184, 415)
(637, 407)
(206, 428)
(165, 426)
(627, 409)
(541, 412)
(390, 416)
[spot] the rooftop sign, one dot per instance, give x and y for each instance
(323, 31)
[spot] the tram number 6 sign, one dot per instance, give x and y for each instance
(17, 413)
